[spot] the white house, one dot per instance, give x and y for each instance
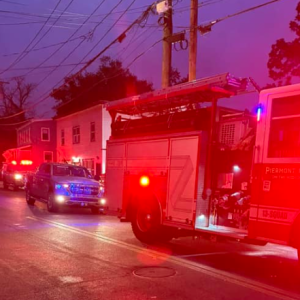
(82, 136)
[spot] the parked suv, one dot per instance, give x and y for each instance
(13, 174)
(64, 185)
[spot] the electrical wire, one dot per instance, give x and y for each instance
(207, 27)
(100, 40)
(86, 90)
(137, 21)
(52, 25)
(46, 97)
(19, 58)
(73, 50)
(139, 44)
(47, 67)
(48, 46)
(113, 76)
(122, 51)
(12, 2)
(247, 10)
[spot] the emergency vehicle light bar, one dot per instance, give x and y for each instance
(204, 90)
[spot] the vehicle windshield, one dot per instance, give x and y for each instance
(70, 171)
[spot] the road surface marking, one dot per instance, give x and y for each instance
(224, 276)
(70, 279)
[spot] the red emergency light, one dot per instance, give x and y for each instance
(26, 162)
(13, 162)
(144, 181)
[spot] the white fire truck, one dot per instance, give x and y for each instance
(163, 160)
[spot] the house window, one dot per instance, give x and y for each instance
(284, 139)
(48, 156)
(76, 135)
(93, 132)
(62, 137)
(45, 133)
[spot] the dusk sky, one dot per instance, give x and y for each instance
(239, 45)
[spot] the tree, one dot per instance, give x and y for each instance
(176, 78)
(110, 82)
(284, 58)
(15, 97)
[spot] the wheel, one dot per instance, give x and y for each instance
(29, 199)
(146, 223)
(51, 205)
(95, 210)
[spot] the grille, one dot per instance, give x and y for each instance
(79, 189)
(227, 134)
(82, 199)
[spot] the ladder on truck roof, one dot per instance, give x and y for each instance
(180, 96)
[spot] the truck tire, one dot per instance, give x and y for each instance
(146, 223)
(29, 199)
(51, 205)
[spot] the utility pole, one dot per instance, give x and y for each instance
(193, 40)
(167, 45)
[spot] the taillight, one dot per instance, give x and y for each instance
(144, 181)
(26, 162)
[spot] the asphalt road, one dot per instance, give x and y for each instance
(76, 255)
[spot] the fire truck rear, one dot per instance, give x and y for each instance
(163, 166)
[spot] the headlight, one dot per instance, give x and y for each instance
(102, 201)
(18, 176)
(60, 199)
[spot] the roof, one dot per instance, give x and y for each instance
(78, 112)
(75, 109)
(180, 96)
(33, 121)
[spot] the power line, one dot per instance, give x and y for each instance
(207, 28)
(247, 10)
(12, 2)
(113, 76)
(48, 46)
(46, 67)
(19, 58)
(139, 44)
(44, 98)
(99, 41)
(42, 37)
(72, 35)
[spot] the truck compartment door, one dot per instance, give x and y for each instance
(181, 203)
(115, 160)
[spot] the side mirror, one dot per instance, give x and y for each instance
(97, 177)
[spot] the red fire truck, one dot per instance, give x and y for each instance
(163, 161)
